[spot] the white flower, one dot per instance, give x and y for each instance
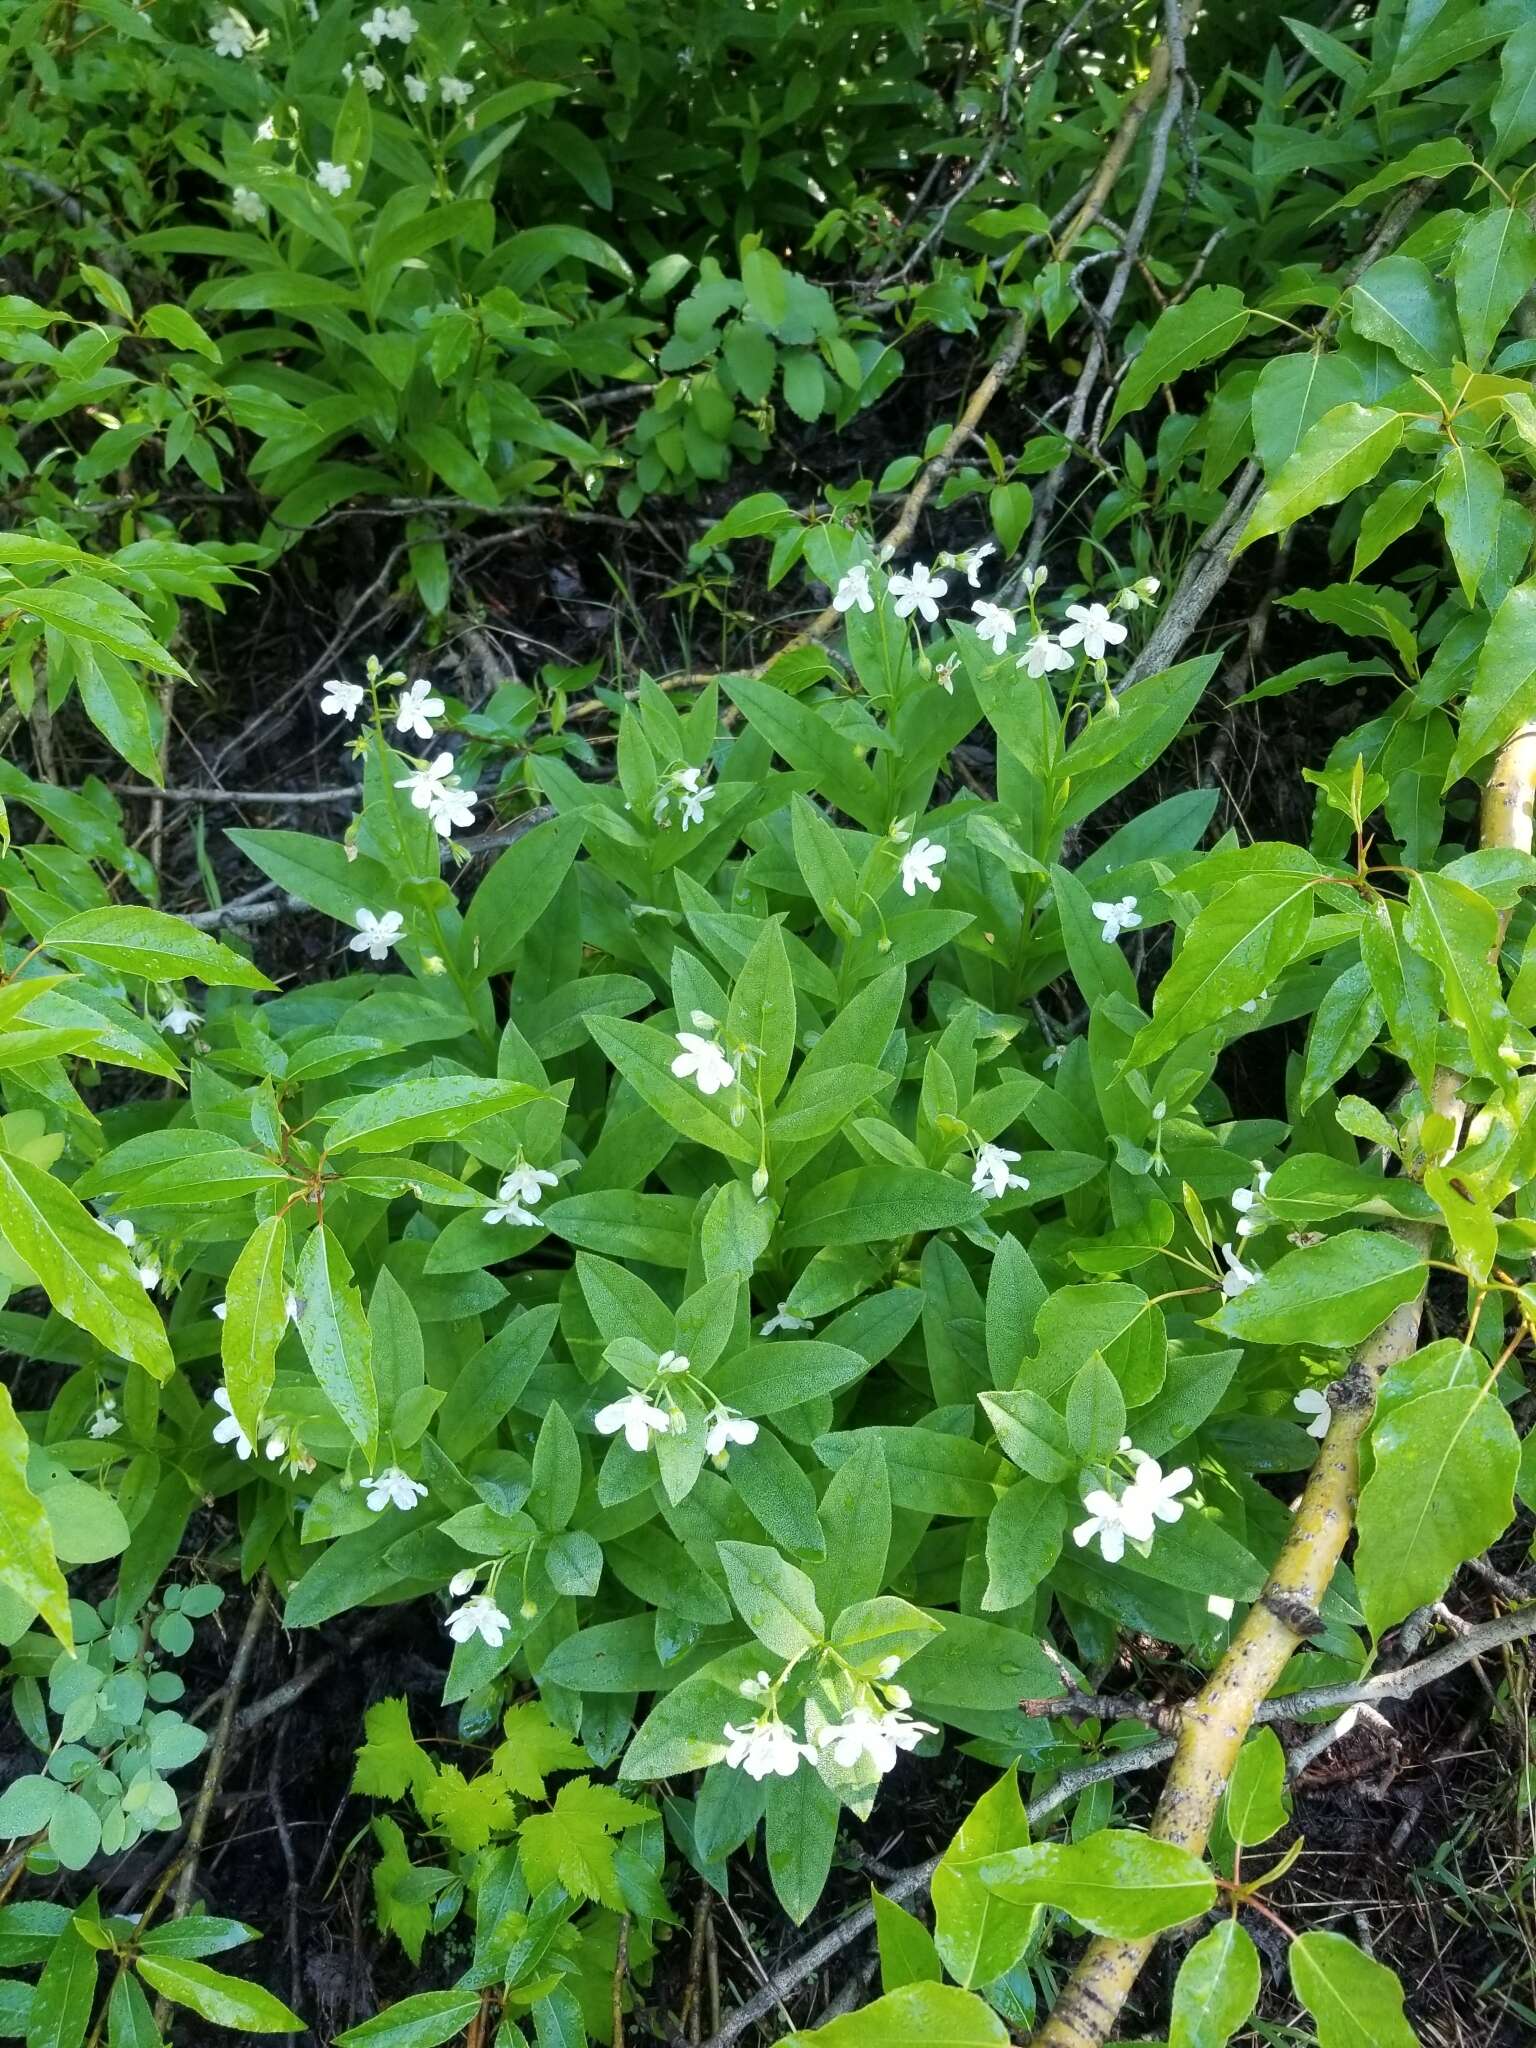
(232, 35)
(724, 1428)
(1314, 1402)
(1094, 628)
(478, 1617)
(783, 1319)
(462, 1582)
(342, 699)
(105, 1420)
(754, 1688)
(1238, 1277)
(375, 935)
(1112, 1521)
(703, 1060)
(1139, 593)
(1042, 655)
(990, 1175)
(853, 590)
(995, 623)
(415, 89)
(247, 205)
(376, 27)
(179, 1019)
(766, 1748)
(456, 92)
(527, 1183)
(507, 1209)
(401, 24)
(416, 709)
(691, 798)
(637, 1417)
(1158, 1491)
(1251, 1007)
(266, 130)
(919, 592)
(149, 1275)
(428, 785)
(299, 1460)
(1219, 1605)
(1116, 918)
(920, 865)
(332, 178)
(673, 1361)
(971, 564)
(391, 1488)
(1246, 1199)
(372, 77)
(453, 812)
(862, 1732)
(229, 1431)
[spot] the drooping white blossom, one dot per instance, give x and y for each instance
(1115, 918)
(724, 1428)
(179, 1019)
(1238, 1277)
(783, 1318)
(228, 1430)
(105, 1420)
(970, 564)
(918, 591)
(456, 92)
(704, 1062)
(920, 866)
(1093, 629)
(463, 1582)
(1042, 655)
(415, 89)
(342, 700)
(880, 1737)
(639, 1419)
(393, 1488)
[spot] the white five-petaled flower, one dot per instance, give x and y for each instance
(415, 89)
(703, 1060)
(880, 1737)
(991, 1175)
(1116, 918)
(232, 35)
(396, 24)
(724, 1428)
(428, 784)
(228, 1431)
(332, 178)
(416, 709)
(920, 866)
(179, 1019)
(1042, 655)
(995, 624)
(525, 1183)
(105, 1421)
(372, 77)
(479, 1617)
(456, 92)
(1093, 628)
(1314, 1402)
(453, 812)
(1238, 1277)
(342, 700)
(247, 205)
(783, 1318)
(639, 1419)
(853, 590)
(393, 1488)
(764, 1749)
(691, 796)
(1112, 1521)
(1158, 1491)
(971, 564)
(375, 935)
(918, 592)
(508, 1209)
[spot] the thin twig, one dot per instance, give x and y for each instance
(205, 793)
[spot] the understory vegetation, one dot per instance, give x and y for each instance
(768, 1023)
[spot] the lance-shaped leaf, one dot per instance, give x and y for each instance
(1344, 450)
(152, 945)
(28, 1566)
(1503, 693)
(1197, 330)
(255, 1315)
(336, 1336)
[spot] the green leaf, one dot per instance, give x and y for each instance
(1256, 1802)
(227, 2001)
(937, 2015)
(255, 1317)
(1024, 1536)
(1468, 495)
(979, 1934)
(1344, 450)
(1197, 330)
(775, 1599)
(28, 1566)
(66, 1991)
(644, 1056)
(762, 1010)
(1216, 1989)
(336, 1337)
(571, 1845)
(1334, 1293)
(800, 1834)
(424, 2020)
(872, 1204)
(1514, 104)
(390, 1762)
(1441, 1490)
(1117, 1882)
(1232, 951)
(152, 945)
(531, 1748)
(907, 1953)
(518, 890)
(418, 1112)
(82, 1268)
(1503, 693)
(1492, 269)
(1398, 303)
(1457, 931)
(1355, 2001)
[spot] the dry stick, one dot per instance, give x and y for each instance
(1217, 1720)
(1169, 73)
(199, 793)
(620, 1972)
